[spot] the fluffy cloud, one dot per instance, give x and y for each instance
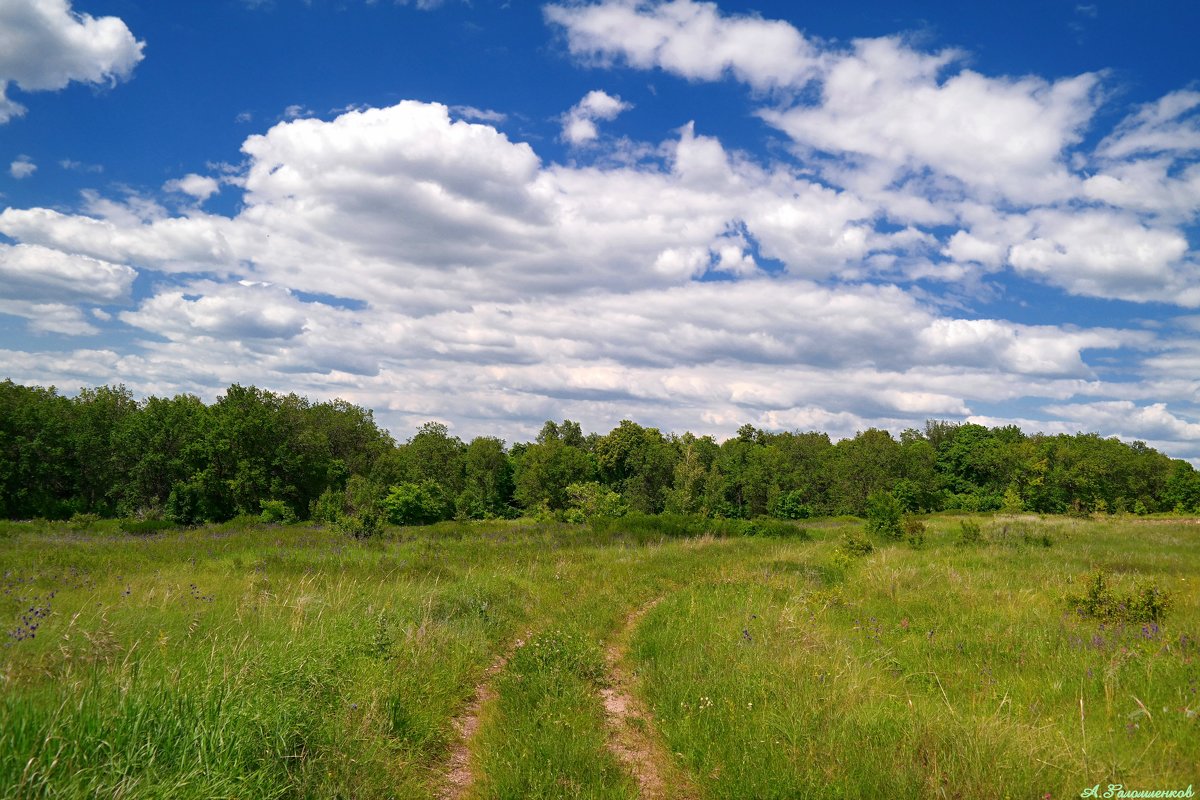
(200, 187)
(187, 244)
(579, 124)
(44, 45)
(994, 136)
(690, 39)
(243, 310)
(982, 173)
(34, 273)
(22, 167)
(880, 100)
(430, 266)
(1105, 254)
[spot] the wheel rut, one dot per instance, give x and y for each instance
(459, 776)
(632, 735)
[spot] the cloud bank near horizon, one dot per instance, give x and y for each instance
(423, 262)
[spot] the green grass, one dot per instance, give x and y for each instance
(260, 661)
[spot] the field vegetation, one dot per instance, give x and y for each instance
(658, 656)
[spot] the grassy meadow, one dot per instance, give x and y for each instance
(252, 661)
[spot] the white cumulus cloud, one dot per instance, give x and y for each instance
(44, 45)
(35, 273)
(200, 187)
(691, 39)
(579, 124)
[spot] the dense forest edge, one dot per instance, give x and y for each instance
(282, 458)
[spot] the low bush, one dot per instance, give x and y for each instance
(768, 526)
(914, 532)
(276, 512)
(1147, 602)
(883, 515)
(791, 506)
(969, 532)
(591, 499)
(328, 507)
(416, 504)
(82, 522)
(856, 544)
(363, 525)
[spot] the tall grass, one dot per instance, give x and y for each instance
(260, 661)
(946, 671)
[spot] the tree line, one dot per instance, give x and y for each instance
(285, 457)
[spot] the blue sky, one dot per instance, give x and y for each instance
(694, 215)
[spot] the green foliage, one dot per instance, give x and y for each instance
(488, 479)
(768, 526)
(856, 544)
(792, 505)
(432, 455)
(914, 532)
(416, 504)
(1012, 502)
(276, 512)
(589, 500)
(1148, 602)
(970, 532)
(328, 507)
(363, 525)
(83, 522)
(639, 463)
(867, 464)
(102, 452)
(545, 470)
(883, 515)
(645, 526)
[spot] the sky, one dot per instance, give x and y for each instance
(693, 215)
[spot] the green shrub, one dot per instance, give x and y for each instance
(591, 499)
(856, 544)
(768, 526)
(1147, 602)
(791, 505)
(363, 525)
(840, 561)
(914, 532)
(675, 526)
(883, 515)
(276, 512)
(188, 503)
(416, 504)
(1012, 502)
(969, 532)
(82, 522)
(328, 507)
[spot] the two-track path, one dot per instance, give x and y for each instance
(632, 736)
